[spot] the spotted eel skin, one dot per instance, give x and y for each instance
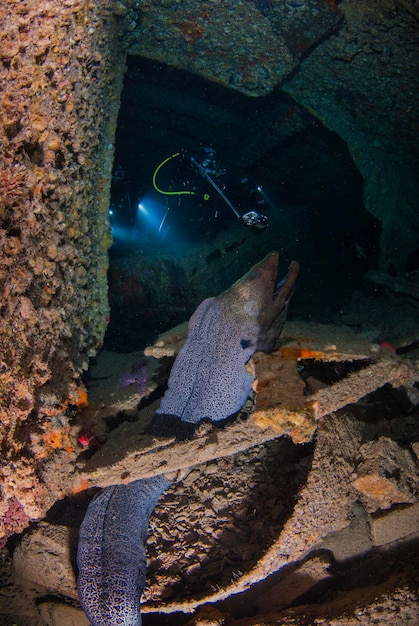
(208, 381)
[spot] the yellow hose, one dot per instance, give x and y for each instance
(169, 193)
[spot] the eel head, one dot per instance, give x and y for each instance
(209, 379)
(258, 300)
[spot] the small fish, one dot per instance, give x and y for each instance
(135, 377)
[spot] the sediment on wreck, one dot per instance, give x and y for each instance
(61, 69)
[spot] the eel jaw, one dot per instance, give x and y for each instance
(258, 301)
(274, 312)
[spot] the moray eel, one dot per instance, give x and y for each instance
(111, 555)
(208, 381)
(208, 378)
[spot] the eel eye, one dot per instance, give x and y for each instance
(245, 343)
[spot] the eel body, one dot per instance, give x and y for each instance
(208, 381)
(111, 554)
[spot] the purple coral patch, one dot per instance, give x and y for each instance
(14, 520)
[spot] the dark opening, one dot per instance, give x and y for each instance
(171, 251)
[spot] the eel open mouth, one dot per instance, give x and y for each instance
(258, 296)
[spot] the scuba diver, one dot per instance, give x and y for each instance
(195, 193)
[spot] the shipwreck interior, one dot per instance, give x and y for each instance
(310, 190)
(304, 509)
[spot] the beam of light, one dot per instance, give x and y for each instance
(263, 194)
(122, 234)
(150, 213)
(151, 220)
(152, 225)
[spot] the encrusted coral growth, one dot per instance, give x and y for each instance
(61, 71)
(227, 42)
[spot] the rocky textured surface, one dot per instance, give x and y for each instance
(249, 46)
(61, 72)
(231, 43)
(360, 83)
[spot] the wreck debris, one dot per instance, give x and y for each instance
(309, 340)
(327, 523)
(53, 133)
(404, 523)
(128, 455)
(314, 521)
(405, 282)
(279, 412)
(33, 563)
(385, 475)
(168, 343)
(299, 340)
(326, 505)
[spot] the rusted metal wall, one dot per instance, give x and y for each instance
(61, 70)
